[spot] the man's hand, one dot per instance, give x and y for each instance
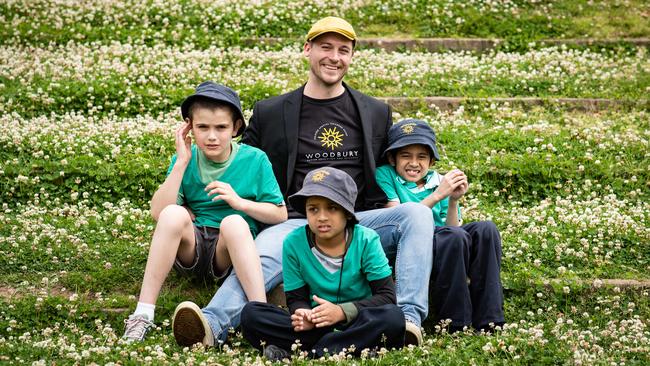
(450, 183)
(301, 320)
(183, 143)
(326, 313)
(224, 191)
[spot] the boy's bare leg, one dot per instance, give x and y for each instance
(236, 247)
(173, 238)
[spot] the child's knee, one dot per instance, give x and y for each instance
(488, 227)
(454, 238)
(174, 217)
(233, 224)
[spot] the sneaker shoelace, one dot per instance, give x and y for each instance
(136, 327)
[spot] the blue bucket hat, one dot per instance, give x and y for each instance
(410, 132)
(216, 92)
(330, 183)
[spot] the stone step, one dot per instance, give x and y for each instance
(458, 44)
(453, 103)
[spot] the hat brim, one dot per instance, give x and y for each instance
(298, 200)
(401, 144)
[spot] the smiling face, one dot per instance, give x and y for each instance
(213, 129)
(329, 57)
(411, 162)
(327, 220)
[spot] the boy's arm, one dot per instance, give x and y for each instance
(448, 184)
(452, 210)
(168, 191)
(266, 212)
(452, 213)
(383, 292)
(385, 182)
(298, 299)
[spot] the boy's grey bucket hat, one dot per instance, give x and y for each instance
(330, 183)
(217, 92)
(409, 132)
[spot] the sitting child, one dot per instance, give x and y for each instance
(337, 280)
(459, 252)
(206, 211)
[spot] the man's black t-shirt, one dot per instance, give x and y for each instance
(329, 135)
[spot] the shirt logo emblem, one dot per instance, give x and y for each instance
(331, 138)
(408, 128)
(319, 176)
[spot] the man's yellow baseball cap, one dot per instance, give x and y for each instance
(332, 24)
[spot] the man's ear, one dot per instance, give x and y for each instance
(306, 48)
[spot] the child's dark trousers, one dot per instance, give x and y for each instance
(381, 326)
(471, 252)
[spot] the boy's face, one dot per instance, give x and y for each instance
(329, 57)
(213, 129)
(326, 219)
(411, 162)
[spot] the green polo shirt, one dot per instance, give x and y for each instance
(247, 170)
(399, 190)
(364, 261)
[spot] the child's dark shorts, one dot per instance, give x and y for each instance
(203, 267)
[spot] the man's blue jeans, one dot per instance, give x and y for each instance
(405, 231)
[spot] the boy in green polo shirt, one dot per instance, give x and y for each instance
(337, 280)
(207, 210)
(471, 251)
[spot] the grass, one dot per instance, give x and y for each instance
(131, 80)
(203, 24)
(89, 96)
(579, 326)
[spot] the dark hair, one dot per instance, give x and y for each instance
(200, 102)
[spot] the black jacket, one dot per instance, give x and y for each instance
(273, 128)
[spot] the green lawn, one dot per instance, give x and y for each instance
(202, 24)
(89, 96)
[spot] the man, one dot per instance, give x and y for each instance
(327, 123)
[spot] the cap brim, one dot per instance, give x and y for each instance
(344, 34)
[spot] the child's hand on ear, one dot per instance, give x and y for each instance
(183, 143)
(301, 320)
(326, 313)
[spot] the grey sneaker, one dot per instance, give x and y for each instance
(274, 353)
(413, 334)
(190, 325)
(136, 328)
